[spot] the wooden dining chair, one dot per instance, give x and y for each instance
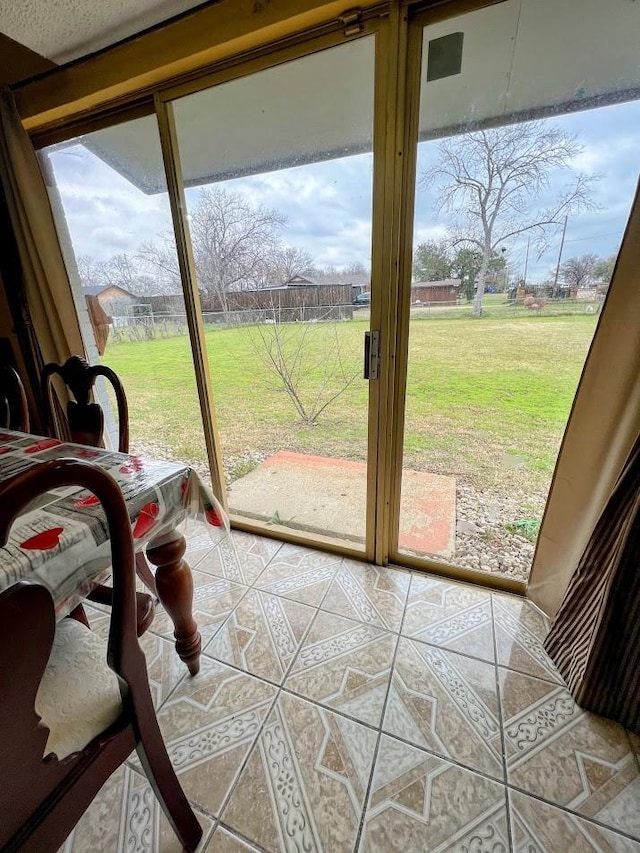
(14, 411)
(85, 418)
(72, 707)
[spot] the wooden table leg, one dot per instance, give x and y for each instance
(174, 585)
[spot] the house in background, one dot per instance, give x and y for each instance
(359, 282)
(114, 300)
(573, 784)
(443, 292)
(111, 101)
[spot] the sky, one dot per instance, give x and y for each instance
(327, 205)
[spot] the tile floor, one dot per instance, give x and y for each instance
(343, 707)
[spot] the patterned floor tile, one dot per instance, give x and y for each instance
(561, 753)
(420, 803)
(199, 542)
(304, 784)
(228, 561)
(260, 546)
(450, 615)
(125, 816)
(213, 600)
(262, 635)
(164, 666)
(300, 574)
(223, 841)
(209, 724)
(537, 827)
(305, 774)
(447, 703)
(520, 632)
(99, 619)
(370, 594)
(345, 665)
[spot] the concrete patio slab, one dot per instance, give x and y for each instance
(326, 496)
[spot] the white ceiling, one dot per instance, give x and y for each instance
(63, 30)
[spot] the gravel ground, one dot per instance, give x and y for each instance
(482, 540)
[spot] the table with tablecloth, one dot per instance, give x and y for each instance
(62, 539)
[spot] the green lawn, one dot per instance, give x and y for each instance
(487, 399)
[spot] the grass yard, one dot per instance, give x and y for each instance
(487, 399)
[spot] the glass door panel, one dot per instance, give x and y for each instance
(277, 168)
(112, 213)
(522, 196)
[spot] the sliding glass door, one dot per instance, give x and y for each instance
(276, 172)
(520, 205)
(360, 290)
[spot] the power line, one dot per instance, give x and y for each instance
(594, 237)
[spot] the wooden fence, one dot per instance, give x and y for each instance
(286, 304)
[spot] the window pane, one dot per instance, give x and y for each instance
(278, 175)
(113, 215)
(522, 198)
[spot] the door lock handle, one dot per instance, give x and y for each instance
(371, 355)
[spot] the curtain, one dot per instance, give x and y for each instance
(595, 637)
(602, 429)
(46, 285)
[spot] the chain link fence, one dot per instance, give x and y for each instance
(152, 326)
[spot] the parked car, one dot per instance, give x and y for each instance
(363, 298)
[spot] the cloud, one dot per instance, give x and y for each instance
(609, 138)
(422, 233)
(328, 205)
(105, 213)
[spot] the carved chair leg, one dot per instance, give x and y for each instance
(175, 590)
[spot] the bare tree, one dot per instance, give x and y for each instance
(492, 182)
(125, 270)
(88, 270)
(308, 360)
(232, 241)
(356, 268)
(161, 262)
(234, 245)
(290, 261)
(579, 272)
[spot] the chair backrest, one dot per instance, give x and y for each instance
(14, 411)
(84, 416)
(49, 795)
(27, 626)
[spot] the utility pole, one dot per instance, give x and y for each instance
(526, 262)
(506, 268)
(555, 278)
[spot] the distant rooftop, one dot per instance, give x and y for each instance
(445, 282)
(97, 289)
(355, 279)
